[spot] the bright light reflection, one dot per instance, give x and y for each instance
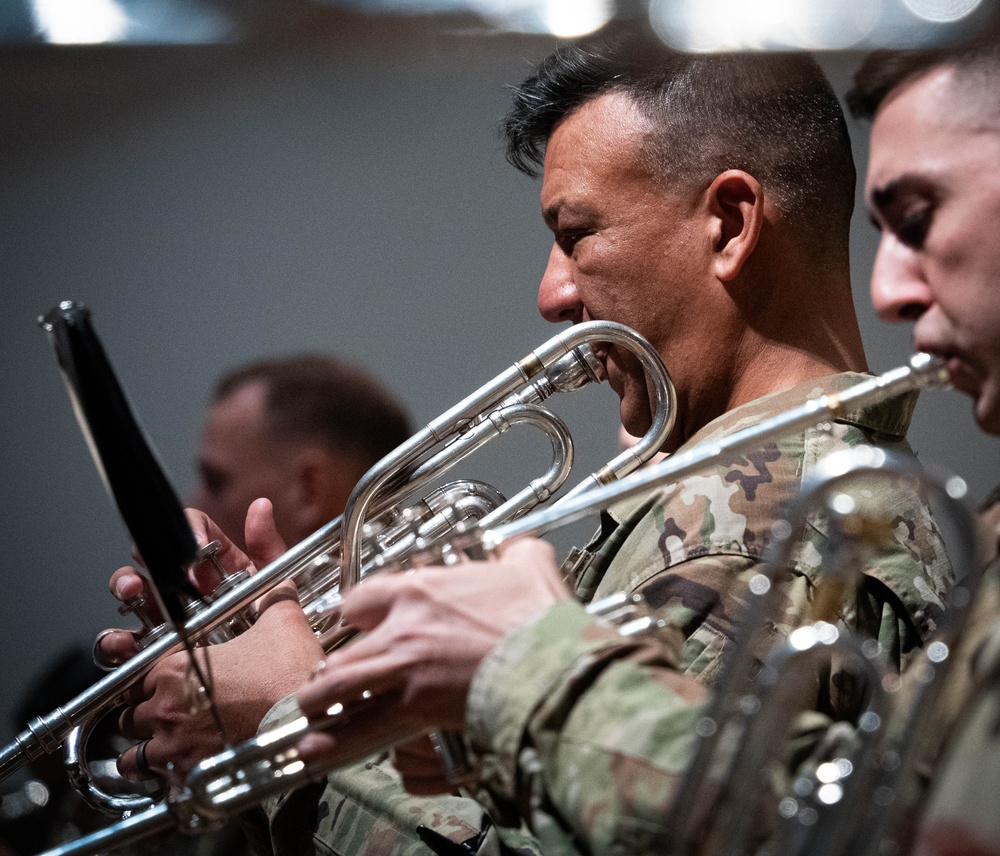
(709, 25)
(269, 737)
(826, 633)
(956, 487)
(937, 652)
(715, 25)
(572, 18)
(37, 793)
(828, 26)
(830, 794)
(562, 18)
(78, 22)
(942, 11)
(802, 638)
(828, 772)
(843, 503)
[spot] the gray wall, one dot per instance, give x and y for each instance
(347, 195)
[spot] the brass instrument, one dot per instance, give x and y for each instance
(845, 801)
(242, 776)
(564, 363)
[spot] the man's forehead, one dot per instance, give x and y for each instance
(246, 401)
(923, 128)
(938, 101)
(599, 137)
(609, 119)
(899, 136)
(237, 420)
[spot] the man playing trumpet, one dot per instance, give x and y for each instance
(934, 193)
(704, 201)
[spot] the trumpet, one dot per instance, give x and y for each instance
(244, 775)
(564, 363)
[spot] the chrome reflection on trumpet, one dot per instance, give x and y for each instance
(846, 798)
(564, 363)
(243, 776)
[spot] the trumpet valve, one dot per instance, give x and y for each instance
(148, 613)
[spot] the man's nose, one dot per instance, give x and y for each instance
(558, 298)
(899, 290)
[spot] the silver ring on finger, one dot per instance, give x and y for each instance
(99, 660)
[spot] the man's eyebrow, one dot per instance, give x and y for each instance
(552, 212)
(883, 197)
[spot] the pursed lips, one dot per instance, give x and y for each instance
(963, 374)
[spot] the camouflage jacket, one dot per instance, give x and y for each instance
(962, 814)
(585, 734)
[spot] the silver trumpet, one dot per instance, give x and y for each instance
(848, 798)
(374, 524)
(241, 777)
(238, 779)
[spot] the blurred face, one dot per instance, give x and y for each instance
(627, 250)
(238, 462)
(933, 190)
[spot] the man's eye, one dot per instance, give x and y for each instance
(568, 241)
(912, 227)
(214, 482)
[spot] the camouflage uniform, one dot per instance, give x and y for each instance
(557, 756)
(585, 734)
(962, 815)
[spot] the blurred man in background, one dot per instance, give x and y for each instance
(300, 431)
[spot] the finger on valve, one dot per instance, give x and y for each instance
(263, 541)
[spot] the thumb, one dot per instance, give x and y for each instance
(263, 541)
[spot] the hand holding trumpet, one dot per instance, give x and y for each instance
(249, 673)
(427, 632)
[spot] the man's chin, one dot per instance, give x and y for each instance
(987, 413)
(636, 423)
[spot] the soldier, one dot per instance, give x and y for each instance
(934, 192)
(730, 256)
(709, 250)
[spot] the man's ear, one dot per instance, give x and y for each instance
(735, 202)
(322, 485)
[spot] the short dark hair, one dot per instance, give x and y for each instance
(976, 64)
(319, 399)
(772, 115)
